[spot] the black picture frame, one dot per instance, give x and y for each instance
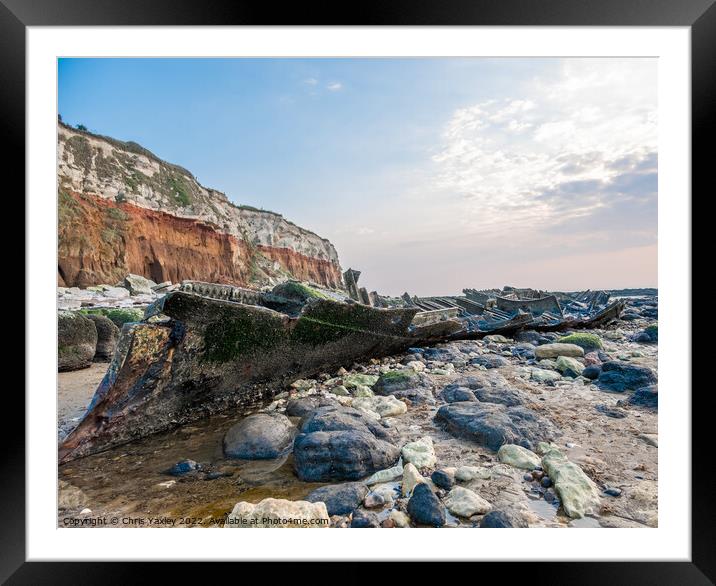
(700, 15)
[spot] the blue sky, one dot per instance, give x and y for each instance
(427, 174)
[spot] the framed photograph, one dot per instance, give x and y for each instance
(406, 271)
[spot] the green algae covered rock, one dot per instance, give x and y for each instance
(76, 341)
(588, 342)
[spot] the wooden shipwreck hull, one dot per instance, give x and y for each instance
(214, 355)
(196, 355)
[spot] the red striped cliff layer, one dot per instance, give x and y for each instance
(123, 210)
(100, 241)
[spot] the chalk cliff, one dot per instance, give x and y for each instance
(123, 210)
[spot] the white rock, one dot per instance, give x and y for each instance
(363, 391)
(468, 473)
(400, 519)
(554, 350)
(518, 457)
(278, 514)
(542, 375)
(463, 502)
(384, 406)
(386, 475)
(420, 453)
(411, 478)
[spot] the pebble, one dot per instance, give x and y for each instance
(373, 500)
(546, 481)
(613, 491)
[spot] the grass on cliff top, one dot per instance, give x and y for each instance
(587, 341)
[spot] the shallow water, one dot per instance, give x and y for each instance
(126, 480)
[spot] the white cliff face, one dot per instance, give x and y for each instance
(126, 172)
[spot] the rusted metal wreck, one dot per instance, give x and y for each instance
(210, 348)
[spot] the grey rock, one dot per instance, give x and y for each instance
(340, 499)
(493, 425)
(424, 507)
(364, 519)
(455, 394)
(443, 479)
(592, 372)
(618, 376)
(107, 337)
(644, 397)
(501, 519)
(489, 361)
(305, 405)
(259, 437)
(76, 341)
(138, 285)
(322, 456)
(183, 467)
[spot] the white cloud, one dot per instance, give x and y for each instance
(334, 86)
(505, 155)
(310, 81)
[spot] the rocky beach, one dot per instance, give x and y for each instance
(535, 429)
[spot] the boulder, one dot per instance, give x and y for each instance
(305, 405)
(578, 493)
(618, 376)
(518, 457)
(502, 519)
(107, 337)
(76, 341)
(420, 453)
(338, 418)
(569, 366)
(340, 499)
(557, 349)
(137, 285)
(424, 507)
(322, 456)
(499, 395)
(260, 436)
(464, 502)
(278, 513)
(340, 455)
(493, 425)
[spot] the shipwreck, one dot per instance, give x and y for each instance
(208, 348)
